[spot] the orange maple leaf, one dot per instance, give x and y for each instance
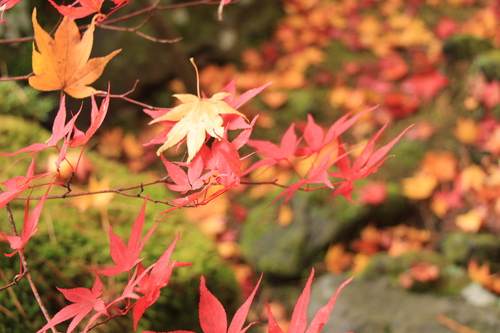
(62, 62)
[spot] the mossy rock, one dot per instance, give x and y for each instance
(288, 252)
(489, 64)
(451, 280)
(70, 243)
(459, 248)
(464, 47)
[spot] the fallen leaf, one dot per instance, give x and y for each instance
(471, 221)
(472, 177)
(419, 187)
(422, 131)
(467, 131)
(442, 165)
(373, 193)
(337, 260)
(285, 215)
(62, 62)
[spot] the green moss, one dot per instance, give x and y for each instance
(70, 243)
(489, 64)
(464, 47)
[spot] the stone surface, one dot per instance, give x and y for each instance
(377, 307)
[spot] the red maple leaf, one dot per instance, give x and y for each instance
(4, 5)
(213, 318)
(274, 154)
(126, 257)
(60, 130)
(96, 118)
(85, 300)
(366, 163)
(425, 86)
(315, 175)
(30, 223)
(150, 284)
(298, 323)
(190, 181)
(73, 11)
(243, 98)
(227, 160)
(17, 185)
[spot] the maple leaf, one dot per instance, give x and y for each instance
(213, 318)
(4, 5)
(7, 4)
(190, 181)
(30, 223)
(298, 322)
(373, 193)
(274, 154)
(425, 86)
(62, 62)
(420, 186)
(367, 163)
(60, 130)
(85, 300)
(150, 284)
(126, 257)
(97, 116)
(195, 118)
(221, 8)
(18, 184)
(86, 8)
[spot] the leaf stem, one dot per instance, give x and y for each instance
(197, 77)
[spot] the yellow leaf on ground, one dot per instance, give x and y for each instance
(467, 131)
(285, 215)
(337, 260)
(442, 165)
(471, 221)
(99, 201)
(62, 62)
(419, 187)
(472, 178)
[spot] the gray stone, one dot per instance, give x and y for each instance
(477, 295)
(376, 306)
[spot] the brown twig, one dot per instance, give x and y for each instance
(26, 269)
(125, 98)
(141, 34)
(16, 78)
(16, 280)
(454, 325)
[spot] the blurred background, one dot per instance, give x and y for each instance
(422, 235)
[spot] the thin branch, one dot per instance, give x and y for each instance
(157, 7)
(16, 280)
(104, 321)
(121, 191)
(17, 40)
(136, 31)
(16, 78)
(26, 268)
(124, 97)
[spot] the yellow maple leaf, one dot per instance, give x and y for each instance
(419, 187)
(195, 118)
(62, 62)
(470, 221)
(467, 131)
